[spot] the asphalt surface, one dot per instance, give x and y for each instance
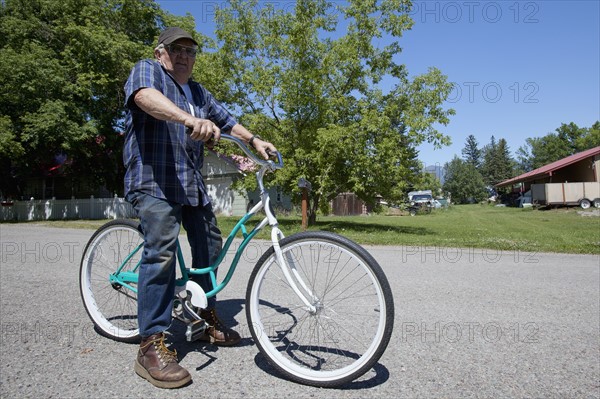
(469, 323)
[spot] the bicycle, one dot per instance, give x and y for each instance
(318, 305)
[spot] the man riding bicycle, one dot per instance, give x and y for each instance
(169, 120)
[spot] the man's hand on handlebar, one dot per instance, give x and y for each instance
(264, 148)
(206, 131)
(203, 130)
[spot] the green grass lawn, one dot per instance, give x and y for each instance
(472, 226)
(463, 226)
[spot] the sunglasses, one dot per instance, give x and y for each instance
(178, 49)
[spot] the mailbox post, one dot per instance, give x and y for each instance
(305, 187)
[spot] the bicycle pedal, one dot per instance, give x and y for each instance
(195, 330)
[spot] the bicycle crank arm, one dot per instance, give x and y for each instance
(197, 295)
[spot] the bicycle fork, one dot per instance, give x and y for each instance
(288, 267)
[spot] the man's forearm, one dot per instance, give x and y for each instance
(156, 104)
(241, 132)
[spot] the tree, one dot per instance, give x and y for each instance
(471, 153)
(569, 139)
(464, 182)
(318, 96)
(505, 165)
(62, 66)
(570, 134)
(540, 151)
(590, 139)
(524, 161)
(428, 181)
(498, 164)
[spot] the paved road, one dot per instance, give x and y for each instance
(469, 323)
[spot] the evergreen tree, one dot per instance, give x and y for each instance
(498, 165)
(504, 161)
(471, 153)
(489, 163)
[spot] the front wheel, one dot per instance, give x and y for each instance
(113, 251)
(349, 325)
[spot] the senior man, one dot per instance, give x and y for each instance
(169, 120)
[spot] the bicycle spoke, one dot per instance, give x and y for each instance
(112, 307)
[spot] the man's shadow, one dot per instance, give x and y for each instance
(230, 309)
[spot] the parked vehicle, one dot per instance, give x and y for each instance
(420, 202)
(420, 196)
(444, 202)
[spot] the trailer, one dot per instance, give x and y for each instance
(583, 194)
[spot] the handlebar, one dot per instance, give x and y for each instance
(262, 162)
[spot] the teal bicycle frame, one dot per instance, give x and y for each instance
(127, 278)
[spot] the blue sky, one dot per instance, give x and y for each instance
(520, 68)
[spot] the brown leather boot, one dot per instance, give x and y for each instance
(157, 364)
(217, 333)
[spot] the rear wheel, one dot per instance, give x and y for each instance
(351, 324)
(116, 246)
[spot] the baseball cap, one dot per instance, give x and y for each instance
(169, 35)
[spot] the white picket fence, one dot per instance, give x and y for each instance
(88, 208)
(224, 200)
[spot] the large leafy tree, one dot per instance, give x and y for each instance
(62, 69)
(343, 112)
(590, 139)
(463, 182)
(568, 139)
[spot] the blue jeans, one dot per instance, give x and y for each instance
(161, 221)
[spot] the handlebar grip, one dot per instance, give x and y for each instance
(252, 155)
(248, 152)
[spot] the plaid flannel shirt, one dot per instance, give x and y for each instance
(160, 158)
